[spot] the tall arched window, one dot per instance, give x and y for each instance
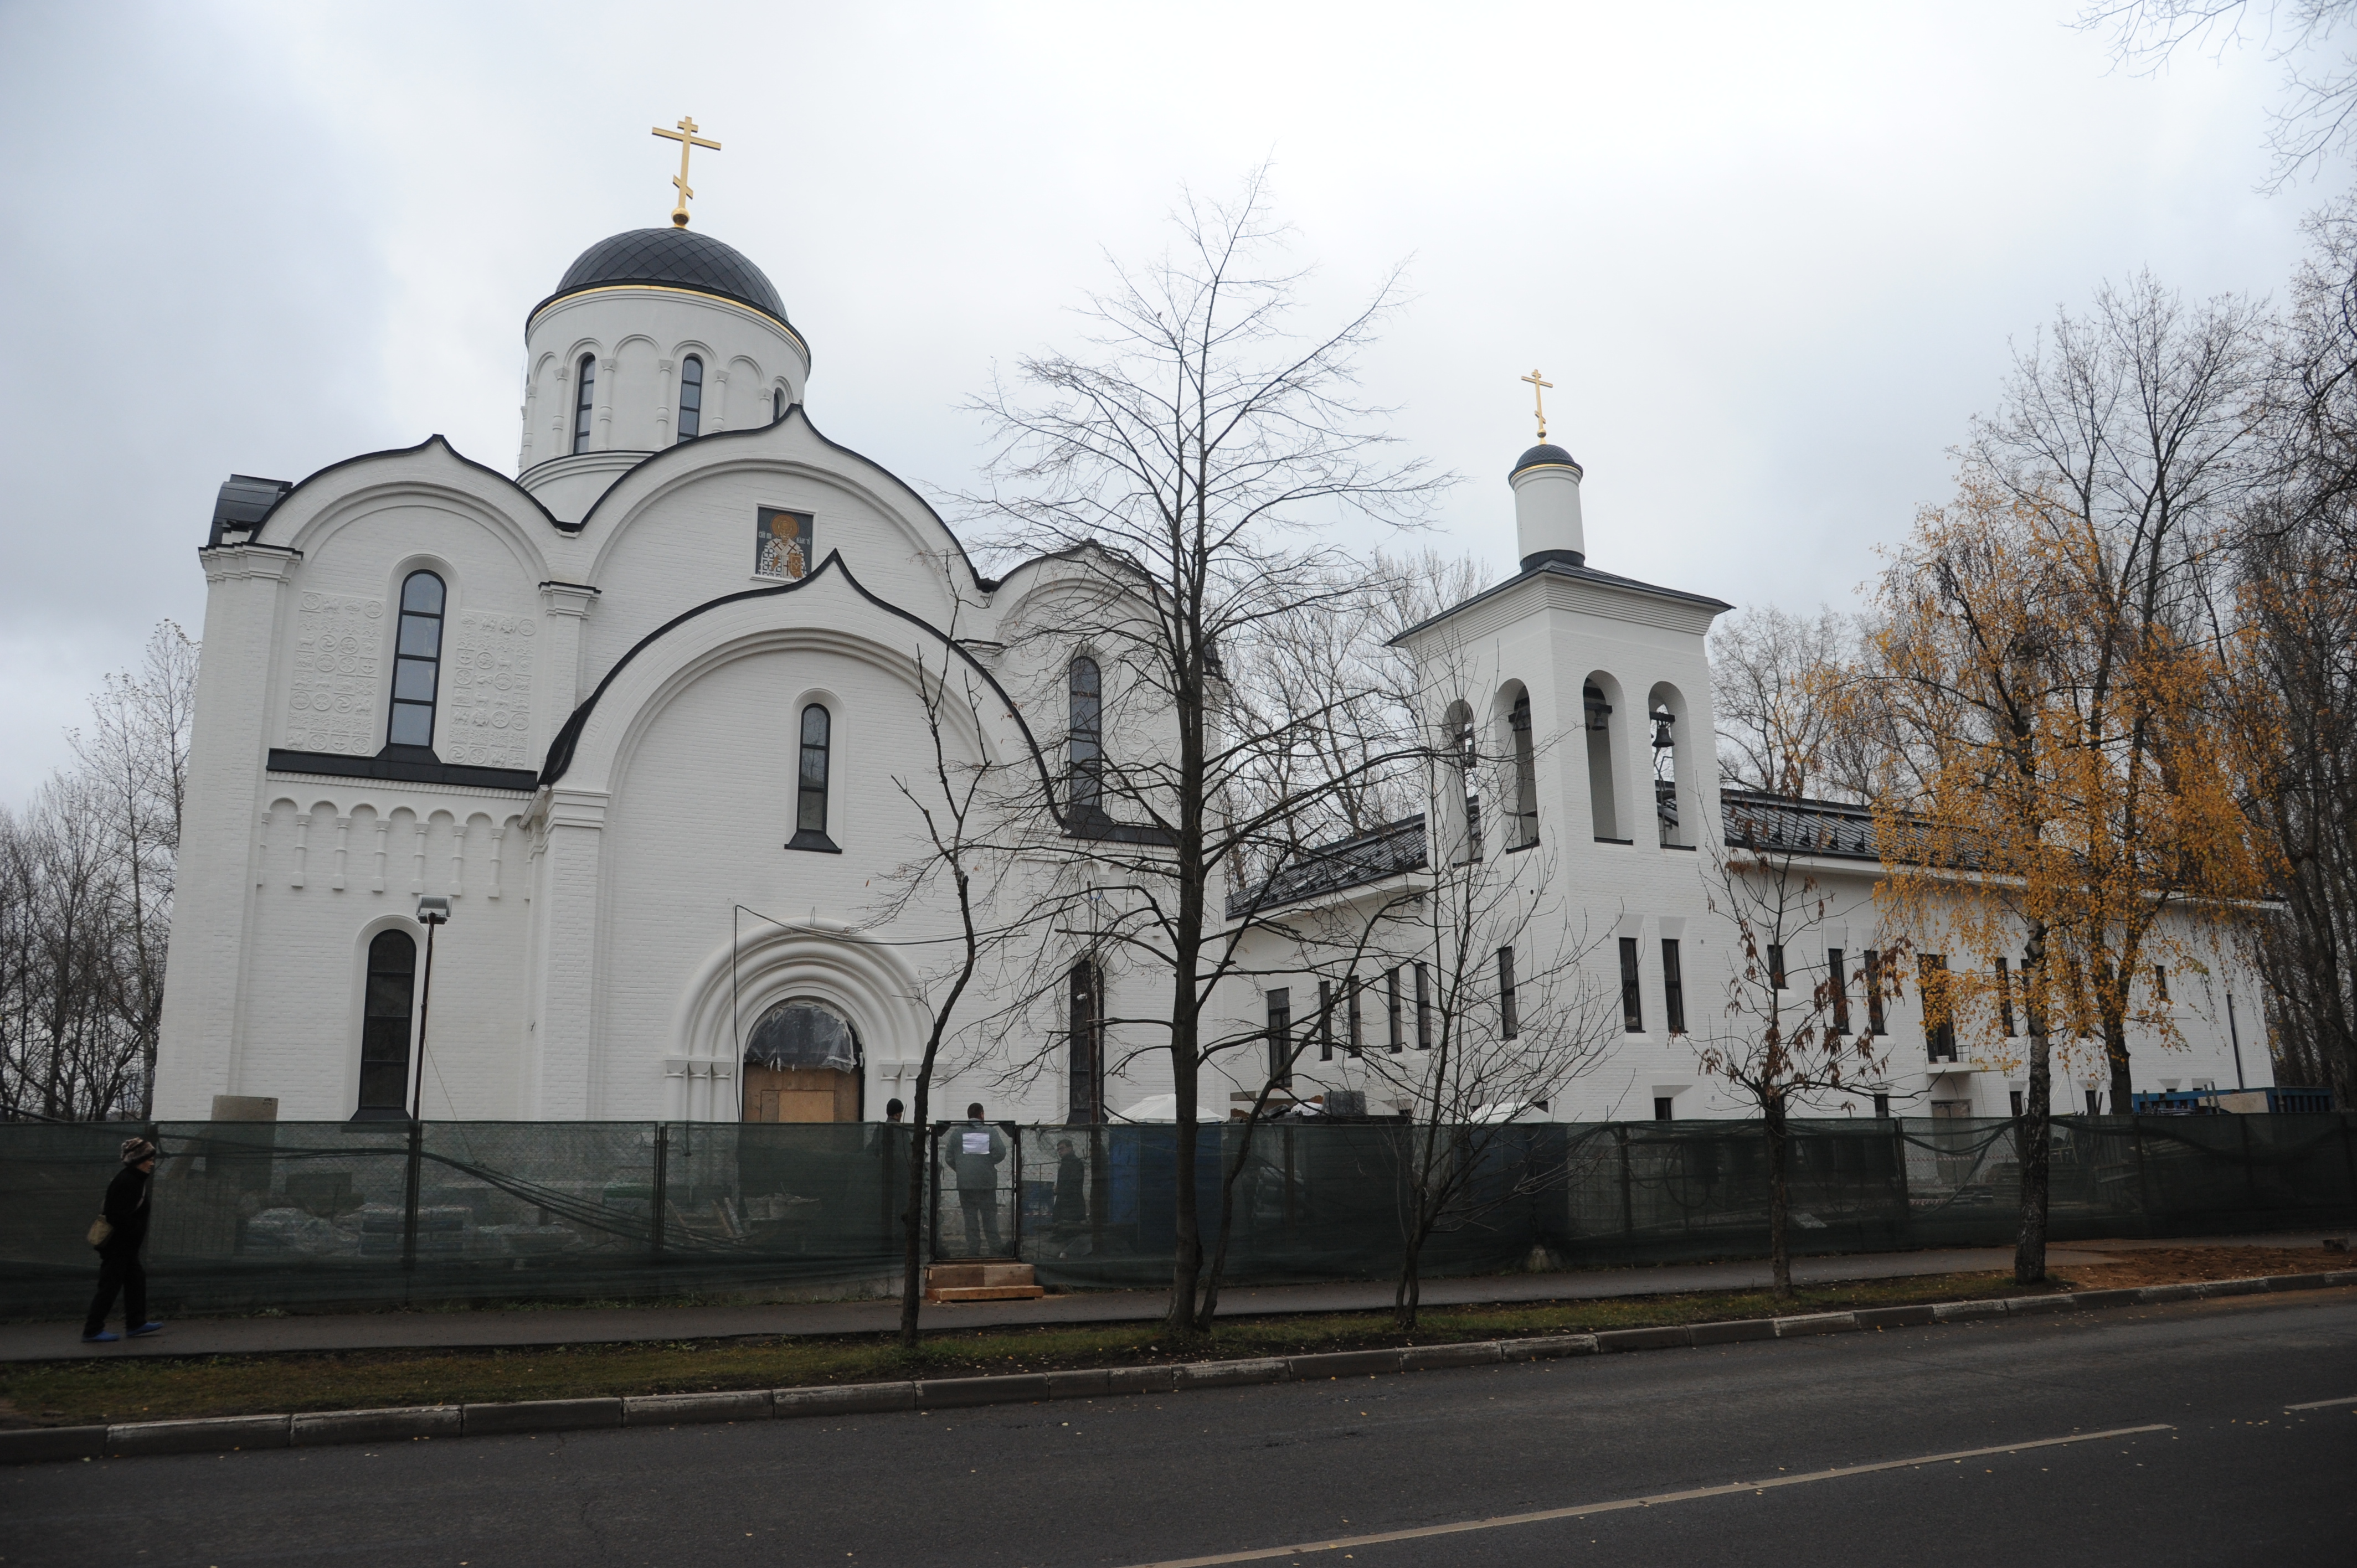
(810, 797)
(1526, 774)
(691, 397)
(1087, 738)
(384, 1027)
(777, 405)
(417, 661)
(1086, 1030)
(585, 401)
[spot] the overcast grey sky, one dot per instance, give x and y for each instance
(1772, 256)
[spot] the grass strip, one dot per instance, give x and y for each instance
(68, 1394)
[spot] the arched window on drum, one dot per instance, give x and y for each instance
(416, 661)
(803, 1063)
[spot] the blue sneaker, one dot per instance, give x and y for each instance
(150, 1327)
(101, 1338)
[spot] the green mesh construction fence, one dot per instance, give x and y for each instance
(316, 1215)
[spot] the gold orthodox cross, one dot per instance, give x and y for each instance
(1538, 395)
(688, 140)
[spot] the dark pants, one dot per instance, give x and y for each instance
(118, 1272)
(981, 1208)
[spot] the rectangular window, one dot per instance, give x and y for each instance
(1392, 1010)
(1325, 1020)
(1423, 1008)
(1510, 1022)
(1775, 965)
(1873, 991)
(1882, 1106)
(2094, 1106)
(1280, 1037)
(2016, 1095)
(1661, 1108)
(2161, 983)
(1632, 1006)
(1352, 988)
(2005, 998)
(1837, 977)
(1939, 1027)
(1674, 988)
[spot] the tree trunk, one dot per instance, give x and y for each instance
(920, 1158)
(1186, 1250)
(2115, 1052)
(1780, 1255)
(2037, 1119)
(1230, 1170)
(1406, 1298)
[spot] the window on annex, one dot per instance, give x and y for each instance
(1510, 1017)
(1526, 774)
(1392, 1039)
(1873, 1021)
(1673, 987)
(1280, 1037)
(810, 801)
(1837, 977)
(691, 398)
(1085, 745)
(1633, 1004)
(416, 661)
(1085, 1034)
(2005, 998)
(1664, 1108)
(1423, 1007)
(1325, 1020)
(585, 399)
(1939, 1025)
(389, 998)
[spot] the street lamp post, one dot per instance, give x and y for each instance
(433, 910)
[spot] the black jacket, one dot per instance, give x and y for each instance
(126, 1210)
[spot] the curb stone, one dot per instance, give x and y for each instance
(217, 1435)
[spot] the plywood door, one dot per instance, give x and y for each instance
(800, 1094)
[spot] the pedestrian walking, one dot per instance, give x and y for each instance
(118, 1235)
(972, 1153)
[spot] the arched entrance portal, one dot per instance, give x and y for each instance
(802, 1064)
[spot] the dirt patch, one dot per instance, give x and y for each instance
(2175, 1265)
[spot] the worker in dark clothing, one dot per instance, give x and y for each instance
(124, 1223)
(973, 1150)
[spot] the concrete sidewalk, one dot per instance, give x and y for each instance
(607, 1326)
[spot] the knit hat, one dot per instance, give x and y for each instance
(137, 1149)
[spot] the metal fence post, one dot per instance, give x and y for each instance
(1899, 1172)
(409, 1198)
(2143, 1173)
(661, 1184)
(1628, 1199)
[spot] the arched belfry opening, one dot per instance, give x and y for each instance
(803, 1063)
(1597, 697)
(1674, 800)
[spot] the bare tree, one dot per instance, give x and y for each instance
(1780, 730)
(1173, 471)
(2320, 117)
(1796, 1022)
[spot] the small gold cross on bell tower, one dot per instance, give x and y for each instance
(1538, 398)
(688, 141)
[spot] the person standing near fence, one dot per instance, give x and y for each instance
(118, 1235)
(974, 1151)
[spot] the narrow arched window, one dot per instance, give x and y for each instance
(1087, 738)
(416, 661)
(585, 401)
(1526, 774)
(777, 405)
(809, 802)
(390, 993)
(1085, 1102)
(691, 397)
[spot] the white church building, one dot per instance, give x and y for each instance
(663, 675)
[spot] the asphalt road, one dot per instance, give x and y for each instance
(2223, 1473)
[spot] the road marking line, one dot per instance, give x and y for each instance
(1585, 1510)
(2321, 1405)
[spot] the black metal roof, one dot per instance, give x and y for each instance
(244, 502)
(1829, 828)
(1370, 856)
(671, 258)
(1545, 452)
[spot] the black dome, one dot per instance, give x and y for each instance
(672, 258)
(1545, 453)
